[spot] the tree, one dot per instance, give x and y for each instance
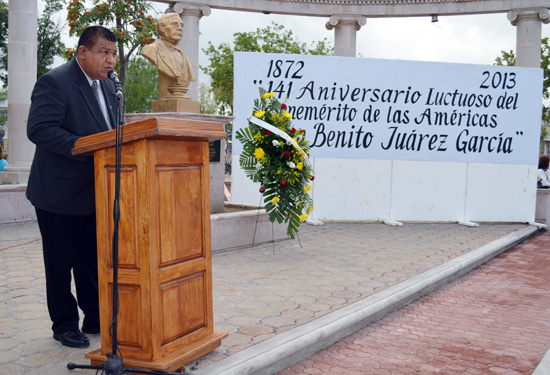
(271, 39)
(128, 19)
(4, 42)
(49, 42)
(208, 103)
(509, 59)
(141, 86)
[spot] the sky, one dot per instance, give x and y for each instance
(475, 39)
(462, 39)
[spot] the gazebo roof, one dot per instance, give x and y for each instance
(368, 8)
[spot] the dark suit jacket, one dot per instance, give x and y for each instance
(64, 109)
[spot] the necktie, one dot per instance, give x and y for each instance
(95, 89)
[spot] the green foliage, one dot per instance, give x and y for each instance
(271, 39)
(49, 42)
(128, 19)
(141, 86)
(221, 73)
(208, 105)
(3, 113)
(4, 42)
(279, 163)
(545, 65)
(509, 59)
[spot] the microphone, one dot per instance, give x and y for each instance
(114, 77)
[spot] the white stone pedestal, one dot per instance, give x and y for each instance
(14, 203)
(542, 209)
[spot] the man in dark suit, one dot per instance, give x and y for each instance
(64, 108)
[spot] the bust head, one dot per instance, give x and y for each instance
(170, 27)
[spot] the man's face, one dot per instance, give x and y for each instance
(172, 28)
(99, 60)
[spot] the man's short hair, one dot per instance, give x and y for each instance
(91, 34)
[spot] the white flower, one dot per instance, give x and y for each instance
(299, 137)
(276, 143)
(291, 165)
(289, 141)
(258, 165)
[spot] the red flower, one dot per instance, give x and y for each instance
(283, 106)
(286, 154)
(292, 131)
(267, 132)
(283, 183)
(312, 177)
(262, 189)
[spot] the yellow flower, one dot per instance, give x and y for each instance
(287, 114)
(277, 117)
(268, 95)
(303, 217)
(306, 189)
(275, 200)
(259, 114)
(278, 171)
(259, 153)
(310, 208)
(258, 137)
(300, 166)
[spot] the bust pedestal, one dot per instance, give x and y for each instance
(176, 105)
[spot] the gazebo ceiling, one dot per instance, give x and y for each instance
(368, 8)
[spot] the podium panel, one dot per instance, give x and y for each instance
(165, 315)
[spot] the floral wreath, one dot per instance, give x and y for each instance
(275, 154)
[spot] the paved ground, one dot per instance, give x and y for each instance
(258, 292)
(494, 320)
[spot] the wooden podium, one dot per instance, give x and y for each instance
(165, 272)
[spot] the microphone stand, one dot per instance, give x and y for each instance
(115, 365)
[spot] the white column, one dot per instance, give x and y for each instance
(23, 25)
(189, 43)
(345, 33)
(528, 34)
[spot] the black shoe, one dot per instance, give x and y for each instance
(90, 330)
(74, 339)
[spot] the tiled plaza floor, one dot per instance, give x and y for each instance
(258, 292)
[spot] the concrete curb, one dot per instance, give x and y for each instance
(289, 347)
(544, 366)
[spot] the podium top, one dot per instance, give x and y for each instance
(153, 128)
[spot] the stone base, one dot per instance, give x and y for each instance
(17, 177)
(176, 105)
(241, 229)
(542, 208)
(14, 203)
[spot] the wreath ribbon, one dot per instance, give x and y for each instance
(256, 121)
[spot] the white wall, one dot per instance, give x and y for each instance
(377, 190)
